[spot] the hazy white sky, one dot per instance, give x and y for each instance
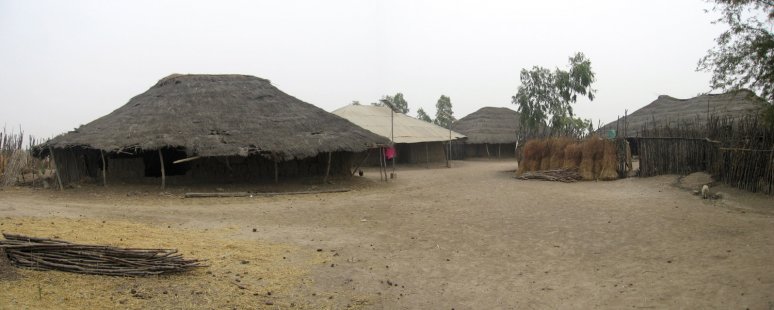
(65, 63)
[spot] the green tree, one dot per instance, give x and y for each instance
(444, 115)
(400, 103)
(421, 114)
(547, 96)
(573, 126)
(355, 102)
(397, 101)
(744, 55)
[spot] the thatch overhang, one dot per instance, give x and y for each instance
(489, 125)
(667, 111)
(218, 115)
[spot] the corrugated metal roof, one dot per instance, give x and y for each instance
(407, 129)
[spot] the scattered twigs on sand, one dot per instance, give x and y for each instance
(252, 194)
(50, 254)
(560, 175)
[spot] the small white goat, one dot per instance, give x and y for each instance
(705, 192)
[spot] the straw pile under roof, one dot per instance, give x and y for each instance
(668, 111)
(489, 125)
(219, 115)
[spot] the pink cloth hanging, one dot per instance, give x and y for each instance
(389, 153)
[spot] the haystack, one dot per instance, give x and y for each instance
(545, 155)
(572, 156)
(558, 146)
(595, 158)
(591, 150)
(533, 150)
(608, 162)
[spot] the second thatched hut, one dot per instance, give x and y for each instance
(492, 132)
(416, 141)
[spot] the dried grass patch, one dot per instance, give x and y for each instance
(241, 272)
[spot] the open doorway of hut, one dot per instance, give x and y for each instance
(634, 146)
(153, 163)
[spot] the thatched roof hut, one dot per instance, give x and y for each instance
(219, 115)
(416, 140)
(489, 125)
(498, 127)
(210, 116)
(668, 111)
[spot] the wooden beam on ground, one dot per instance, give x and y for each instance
(180, 161)
(261, 194)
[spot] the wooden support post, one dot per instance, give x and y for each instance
(771, 171)
(382, 164)
(56, 168)
(381, 176)
(499, 145)
(327, 169)
(427, 156)
(487, 150)
(104, 168)
(368, 153)
(163, 173)
(276, 169)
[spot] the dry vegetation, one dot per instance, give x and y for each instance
(242, 274)
(17, 166)
(595, 158)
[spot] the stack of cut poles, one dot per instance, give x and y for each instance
(49, 254)
(560, 175)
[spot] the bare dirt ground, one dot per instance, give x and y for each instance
(469, 237)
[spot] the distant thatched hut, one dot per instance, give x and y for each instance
(671, 112)
(213, 128)
(675, 113)
(491, 132)
(416, 141)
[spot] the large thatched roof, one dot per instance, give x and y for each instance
(219, 115)
(489, 125)
(406, 129)
(668, 111)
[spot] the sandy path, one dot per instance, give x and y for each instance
(471, 237)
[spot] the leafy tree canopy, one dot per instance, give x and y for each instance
(547, 96)
(397, 101)
(421, 114)
(400, 103)
(444, 115)
(744, 55)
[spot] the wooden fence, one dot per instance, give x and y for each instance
(737, 152)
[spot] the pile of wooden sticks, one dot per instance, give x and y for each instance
(560, 175)
(49, 254)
